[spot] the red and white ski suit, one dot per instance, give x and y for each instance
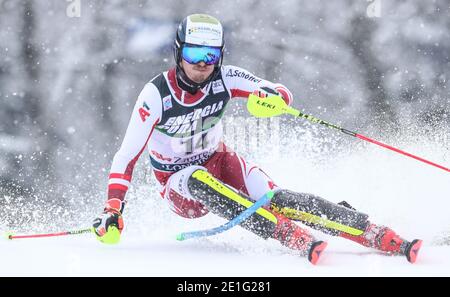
(182, 130)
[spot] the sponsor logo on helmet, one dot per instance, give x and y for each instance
(202, 30)
(205, 30)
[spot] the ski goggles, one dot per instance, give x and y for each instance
(196, 54)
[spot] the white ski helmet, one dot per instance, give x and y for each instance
(201, 30)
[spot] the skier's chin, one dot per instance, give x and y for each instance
(200, 77)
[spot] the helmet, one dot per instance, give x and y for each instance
(197, 29)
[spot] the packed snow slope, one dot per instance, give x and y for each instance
(410, 197)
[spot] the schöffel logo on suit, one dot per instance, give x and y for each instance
(190, 122)
(243, 74)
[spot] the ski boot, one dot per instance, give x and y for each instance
(297, 238)
(386, 240)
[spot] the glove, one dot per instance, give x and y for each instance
(265, 92)
(109, 225)
(277, 90)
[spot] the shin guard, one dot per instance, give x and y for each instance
(319, 213)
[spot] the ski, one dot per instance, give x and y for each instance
(236, 221)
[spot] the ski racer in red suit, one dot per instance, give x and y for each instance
(178, 116)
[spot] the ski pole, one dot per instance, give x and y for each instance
(237, 220)
(73, 232)
(275, 105)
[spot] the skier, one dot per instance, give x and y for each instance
(178, 116)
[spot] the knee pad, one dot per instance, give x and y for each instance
(178, 181)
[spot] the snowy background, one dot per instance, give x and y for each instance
(70, 72)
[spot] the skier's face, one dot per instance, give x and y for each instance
(197, 72)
